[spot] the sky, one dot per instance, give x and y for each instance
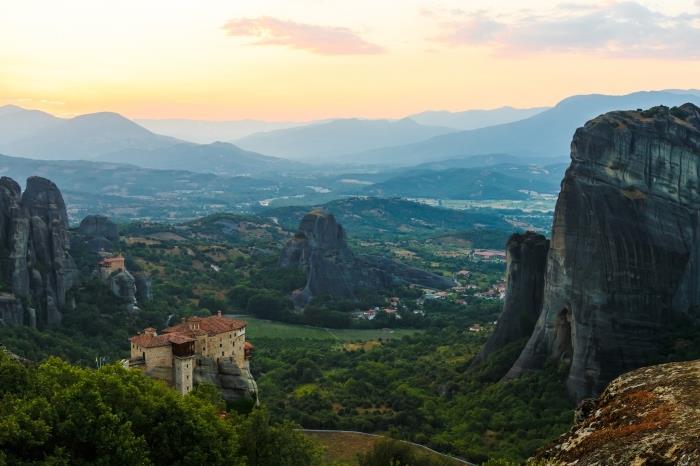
(313, 59)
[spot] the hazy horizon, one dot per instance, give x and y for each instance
(310, 60)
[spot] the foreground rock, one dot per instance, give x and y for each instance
(35, 265)
(320, 248)
(526, 258)
(650, 416)
(624, 258)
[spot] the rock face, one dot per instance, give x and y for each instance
(650, 416)
(526, 259)
(624, 256)
(100, 232)
(123, 285)
(235, 384)
(320, 248)
(37, 269)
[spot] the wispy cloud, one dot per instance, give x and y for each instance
(323, 40)
(618, 29)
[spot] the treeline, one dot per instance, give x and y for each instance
(58, 414)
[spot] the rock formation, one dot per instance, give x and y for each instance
(624, 256)
(320, 248)
(123, 285)
(99, 237)
(650, 416)
(235, 384)
(100, 233)
(526, 258)
(37, 269)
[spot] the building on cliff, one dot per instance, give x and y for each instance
(110, 265)
(175, 354)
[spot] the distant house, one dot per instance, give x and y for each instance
(171, 355)
(476, 328)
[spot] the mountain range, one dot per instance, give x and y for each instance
(545, 134)
(325, 141)
(474, 119)
(206, 131)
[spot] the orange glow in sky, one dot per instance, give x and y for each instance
(311, 59)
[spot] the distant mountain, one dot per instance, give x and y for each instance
(545, 134)
(324, 141)
(205, 132)
(505, 181)
(220, 158)
(83, 137)
(473, 119)
(17, 122)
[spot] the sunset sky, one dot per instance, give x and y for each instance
(310, 59)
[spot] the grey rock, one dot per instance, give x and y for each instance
(233, 382)
(320, 249)
(143, 287)
(99, 226)
(123, 285)
(526, 259)
(624, 256)
(34, 249)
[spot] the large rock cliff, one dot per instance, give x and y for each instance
(624, 257)
(320, 248)
(37, 269)
(526, 258)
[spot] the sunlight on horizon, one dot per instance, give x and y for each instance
(307, 60)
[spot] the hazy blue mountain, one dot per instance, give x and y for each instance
(473, 119)
(17, 122)
(220, 158)
(205, 132)
(323, 141)
(547, 134)
(505, 181)
(84, 137)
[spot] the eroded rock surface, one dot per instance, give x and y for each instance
(624, 256)
(526, 258)
(320, 248)
(36, 267)
(235, 383)
(650, 416)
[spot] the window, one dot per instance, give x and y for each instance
(222, 353)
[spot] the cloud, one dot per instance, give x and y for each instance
(617, 29)
(323, 40)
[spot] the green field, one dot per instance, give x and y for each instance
(259, 328)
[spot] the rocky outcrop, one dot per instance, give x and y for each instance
(123, 285)
(235, 384)
(320, 248)
(526, 258)
(37, 269)
(143, 287)
(650, 416)
(99, 232)
(624, 257)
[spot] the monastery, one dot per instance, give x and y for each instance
(173, 354)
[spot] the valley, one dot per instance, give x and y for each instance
(404, 301)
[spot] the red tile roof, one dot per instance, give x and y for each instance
(212, 325)
(152, 341)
